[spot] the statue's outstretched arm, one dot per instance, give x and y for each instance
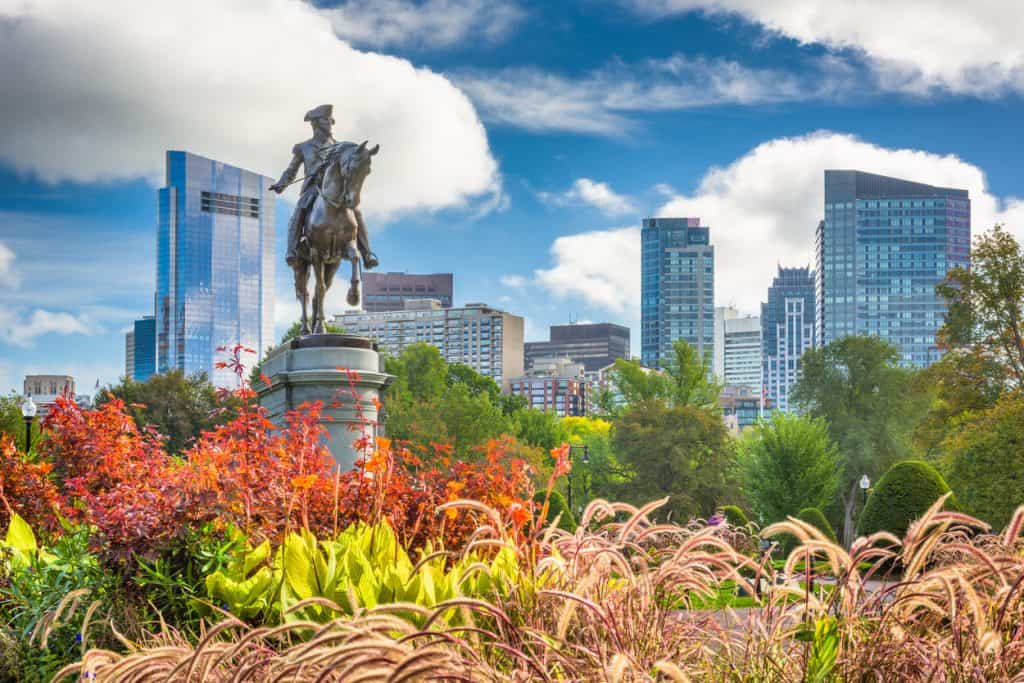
(289, 173)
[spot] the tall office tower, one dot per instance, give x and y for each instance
(884, 245)
(737, 354)
(215, 265)
(593, 345)
(486, 339)
(787, 331)
(677, 298)
(129, 354)
(390, 291)
(144, 351)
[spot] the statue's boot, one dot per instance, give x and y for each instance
(369, 258)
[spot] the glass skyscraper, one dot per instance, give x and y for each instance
(143, 349)
(787, 331)
(215, 265)
(677, 288)
(884, 245)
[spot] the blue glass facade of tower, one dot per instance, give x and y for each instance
(215, 265)
(787, 331)
(144, 343)
(677, 288)
(884, 245)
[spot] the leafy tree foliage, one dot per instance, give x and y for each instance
(734, 515)
(685, 380)
(604, 475)
(986, 307)
(857, 385)
(430, 403)
(682, 451)
(985, 461)
(540, 428)
(179, 407)
(787, 463)
(902, 495)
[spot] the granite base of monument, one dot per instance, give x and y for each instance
(328, 368)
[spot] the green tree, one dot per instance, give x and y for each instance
(685, 381)
(460, 373)
(179, 407)
(603, 476)
(985, 318)
(985, 461)
(787, 463)
(540, 428)
(683, 452)
(858, 386)
(902, 495)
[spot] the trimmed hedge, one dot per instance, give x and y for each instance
(557, 506)
(815, 518)
(902, 495)
(734, 516)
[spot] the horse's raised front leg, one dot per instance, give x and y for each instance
(301, 269)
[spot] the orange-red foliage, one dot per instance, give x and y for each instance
(26, 488)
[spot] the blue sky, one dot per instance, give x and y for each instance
(521, 142)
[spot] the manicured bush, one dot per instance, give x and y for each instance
(557, 506)
(734, 515)
(902, 495)
(815, 518)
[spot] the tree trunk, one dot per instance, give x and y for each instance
(849, 526)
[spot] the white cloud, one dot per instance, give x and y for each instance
(913, 45)
(8, 276)
(601, 267)
(603, 101)
(85, 99)
(514, 281)
(19, 330)
(594, 193)
(762, 210)
(431, 24)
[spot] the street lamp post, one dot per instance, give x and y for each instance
(865, 484)
(585, 460)
(28, 411)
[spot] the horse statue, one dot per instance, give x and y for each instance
(333, 229)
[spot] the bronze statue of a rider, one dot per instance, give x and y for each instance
(308, 155)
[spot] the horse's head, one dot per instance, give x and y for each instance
(343, 182)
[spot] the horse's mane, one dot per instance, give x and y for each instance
(345, 155)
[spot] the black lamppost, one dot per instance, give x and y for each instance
(585, 460)
(28, 411)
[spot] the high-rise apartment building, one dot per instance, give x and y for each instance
(677, 298)
(215, 265)
(737, 353)
(129, 354)
(593, 345)
(557, 384)
(487, 339)
(787, 331)
(390, 291)
(883, 246)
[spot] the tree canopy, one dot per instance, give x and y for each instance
(686, 380)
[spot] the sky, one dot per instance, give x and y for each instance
(521, 142)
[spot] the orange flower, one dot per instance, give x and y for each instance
(383, 444)
(519, 514)
(456, 486)
(304, 482)
(562, 463)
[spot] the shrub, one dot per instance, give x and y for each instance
(902, 495)
(557, 506)
(815, 518)
(734, 516)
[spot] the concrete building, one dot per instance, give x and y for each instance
(881, 249)
(737, 355)
(390, 291)
(594, 345)
(487, 339)
(677, 298)
(787, 332)
(741, 407)
(554, 383)
(44, 390)
(129, 354)
(215, 265)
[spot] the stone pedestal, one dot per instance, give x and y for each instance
(313, 368)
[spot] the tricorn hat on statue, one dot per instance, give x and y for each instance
(324, 111)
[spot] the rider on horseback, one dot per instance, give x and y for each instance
(309, 155)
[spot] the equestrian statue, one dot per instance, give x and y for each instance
(327, 225)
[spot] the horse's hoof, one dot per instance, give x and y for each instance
(304, 331)
(353, 296)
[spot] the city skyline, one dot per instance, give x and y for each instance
(552, 149)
